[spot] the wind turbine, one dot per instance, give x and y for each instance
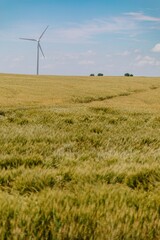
(38, 46)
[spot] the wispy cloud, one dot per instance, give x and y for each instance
(124, 54)
(86, 62)
(156, 48)
(128, 23)
(146, 61)
(139, 16)
(87, 30)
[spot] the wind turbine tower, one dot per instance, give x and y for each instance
(38, 46)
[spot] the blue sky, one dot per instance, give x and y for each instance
(87, 36)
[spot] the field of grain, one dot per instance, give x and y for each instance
(79, 158)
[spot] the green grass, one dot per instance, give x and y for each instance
(79, 158)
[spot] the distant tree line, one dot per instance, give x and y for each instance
(128, 75)
(99, 74)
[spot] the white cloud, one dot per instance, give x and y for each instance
(156, 48)
(124, 54)
(86, 31)
(87, 62)
(139, 16)
(18, 59)
(127, 23)
(137, 51)
(91, 53)
(146, 61)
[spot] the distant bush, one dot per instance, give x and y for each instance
(128, 75)
(92, 74)
(100, 74)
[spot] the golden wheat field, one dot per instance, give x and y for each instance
(122, 92)
(79, 158)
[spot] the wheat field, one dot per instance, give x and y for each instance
(79, 158)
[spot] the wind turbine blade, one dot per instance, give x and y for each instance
(41, 50)
(29, 39)
(43, 33)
